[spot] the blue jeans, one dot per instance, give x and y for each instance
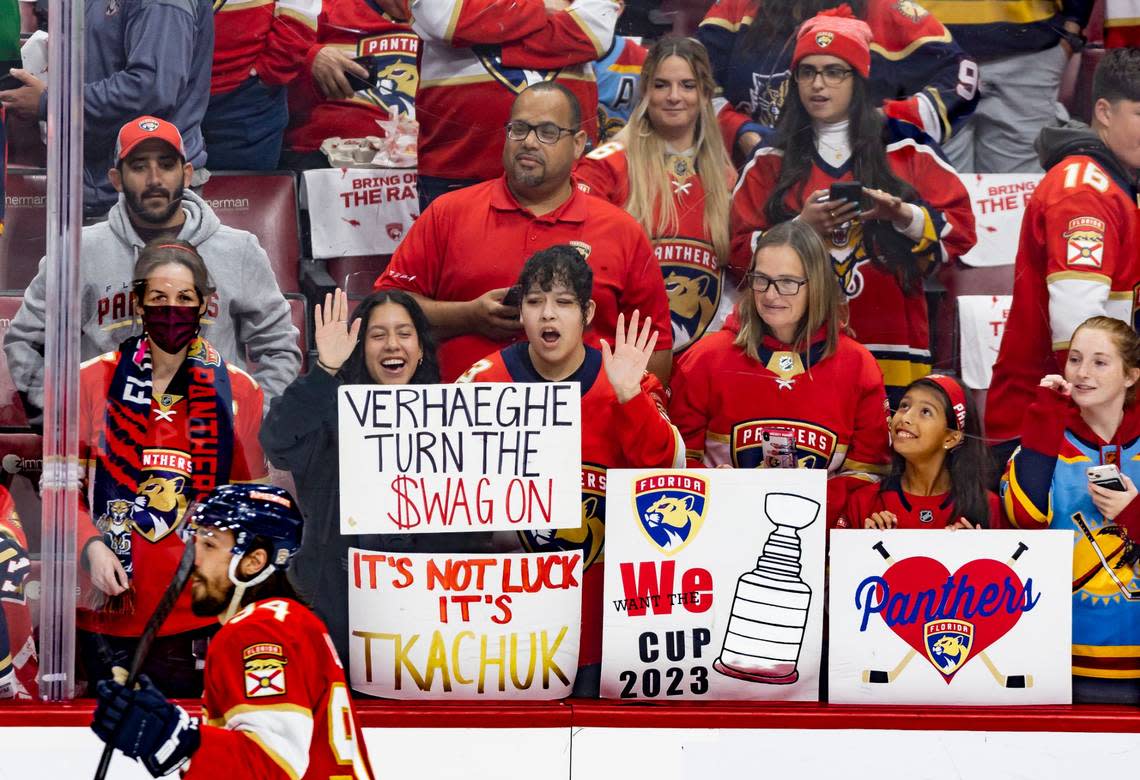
(243, 128)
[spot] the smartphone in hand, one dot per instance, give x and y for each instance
(1107, 476)
(850, 191)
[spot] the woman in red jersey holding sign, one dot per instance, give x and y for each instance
(162, 421)
(669, 169)
(939, 470)
(783, 388)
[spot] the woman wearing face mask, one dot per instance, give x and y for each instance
(1089, 419)
(162, 421)
(385, 341)
(939, 469)
(669, 169)
(911, 213)
(787, 389)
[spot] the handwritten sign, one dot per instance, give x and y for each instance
(360, 211)
(431, 626)
(714, 584)
(981, 323)
(999, 201)
(934, 617)
(469, 457)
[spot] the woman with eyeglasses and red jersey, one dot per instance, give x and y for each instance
(878, 192)
(781, 386)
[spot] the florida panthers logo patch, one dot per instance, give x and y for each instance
(947, 644)
(393, 72)
(824, 39)
(781, 443)
(671, 508)
(161, 500)
(514, 79)
(1085, 247)
(911, 10)
(264, 670)
(693, 285)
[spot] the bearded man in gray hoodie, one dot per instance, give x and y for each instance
(248, 318)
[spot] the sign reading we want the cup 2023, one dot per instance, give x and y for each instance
(941, 617)
(714, 584)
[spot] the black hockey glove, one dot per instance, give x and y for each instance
(144, 725)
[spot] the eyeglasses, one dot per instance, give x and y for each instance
(547, 132)
(833, 75)
(784, 286)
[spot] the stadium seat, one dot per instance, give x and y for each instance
(25, 229)
(265, 204)
(356, 275)
(25, 148)
(11, 410)
(962, 279)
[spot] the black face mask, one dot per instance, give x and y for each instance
(171, 327)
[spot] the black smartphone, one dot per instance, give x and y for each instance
(7, 80)
(366, 83)
(850, 191)
(513, 297)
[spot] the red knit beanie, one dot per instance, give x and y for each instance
(836, 32)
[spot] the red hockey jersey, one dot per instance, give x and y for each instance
(167, 490)
(1077, 258)
(636, 434)
(477, 239)
(732, 410)
(392, 51)
(1121, 23)
(695, 279)
(917, 70)
(890, 322)
(479, 54)
(276, 705)
(912, 511)
(269, 37)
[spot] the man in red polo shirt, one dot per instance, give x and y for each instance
(467, 248)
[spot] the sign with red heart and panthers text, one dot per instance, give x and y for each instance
(940, 617)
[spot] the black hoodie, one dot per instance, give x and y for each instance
(1054, 144)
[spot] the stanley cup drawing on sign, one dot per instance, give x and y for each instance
(769, 612)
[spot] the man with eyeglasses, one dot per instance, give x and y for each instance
(466, 249)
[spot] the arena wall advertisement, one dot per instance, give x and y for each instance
(939, 617)
(467, 457)
(714, 584)
(426, 626)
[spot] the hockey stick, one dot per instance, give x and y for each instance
(1129, 594)
(157, 618)
(1006, 681)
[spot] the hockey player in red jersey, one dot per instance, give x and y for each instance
(912, 213)
(1077, 257)
(781, 387)
(276, 702)
(623, 411)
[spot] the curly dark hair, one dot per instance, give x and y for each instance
(559, 264)
(354, 371)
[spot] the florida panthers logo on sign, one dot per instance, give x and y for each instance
(671, 508)
(1085, 246)
(947, 644)
(393, 72)
(514, 79)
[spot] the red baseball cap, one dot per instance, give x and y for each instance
(145, 128)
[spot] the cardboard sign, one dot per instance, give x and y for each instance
(940, 617)
(466, 457)
(981, 322)
(360, 211)
(434, 626)
(714, 584)
(999, 201)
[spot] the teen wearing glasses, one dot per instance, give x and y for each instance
(781, 386)
(668, 168)
(465, 251)
(914, 214)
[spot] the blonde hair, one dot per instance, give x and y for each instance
(1124, 338)
(650, 196)
(823, 304)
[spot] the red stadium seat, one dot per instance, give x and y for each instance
(265, 204)
(11, 410)
(25, 229)
(356, 275)
(25, 148)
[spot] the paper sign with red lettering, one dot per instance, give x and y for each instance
(467, 457)
(359, 211)
(714, 584)
(981, 323)
(486, 627)
(940, 617)
(999, 201)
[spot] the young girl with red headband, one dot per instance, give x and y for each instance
(939, 469)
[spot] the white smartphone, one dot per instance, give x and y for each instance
(1107, 476)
